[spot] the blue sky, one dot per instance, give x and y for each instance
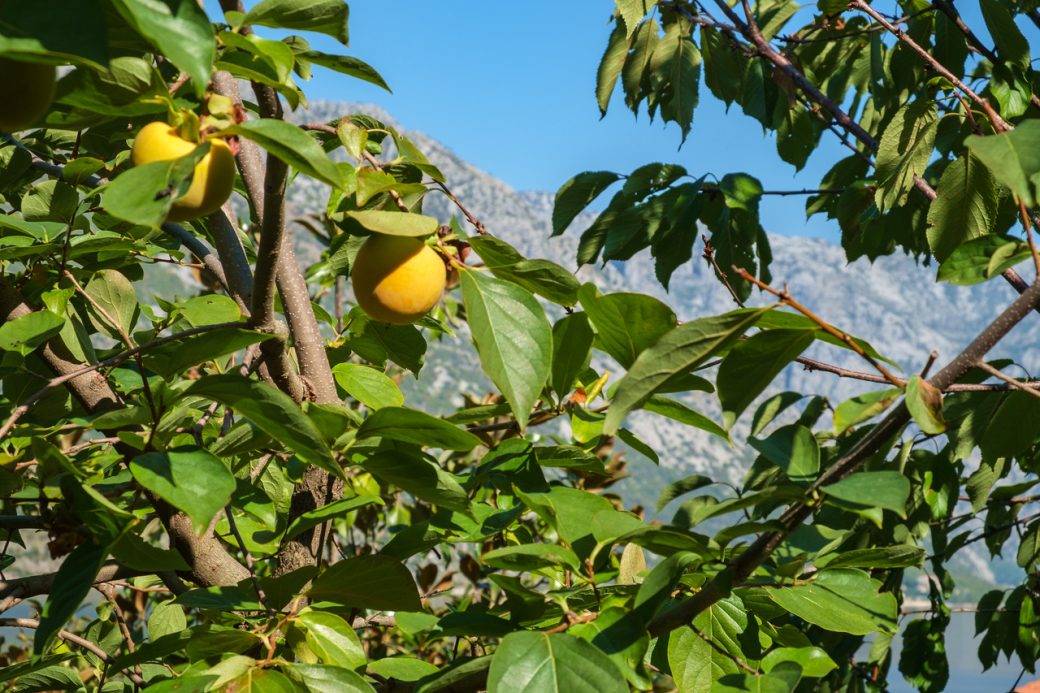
(509, 87)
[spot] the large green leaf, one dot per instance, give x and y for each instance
(626, 324)
(331, 639)
(413, 426)
(542, 277)
(684, 347)
(794, 449)
(291, 145)
(752, 365)
(885, 489)
(529, 557)
(323, 678)
(966, 207)
(572, 348)
(115, 295)
(181, 32)
(677, 57)
(328, 17)
(272, 411)
(368, 582)
(420, 477)
(607, 73)
(395, 223)
(189, 479)
(863, 407)
(24, 334)
(552, 663)
(1013, 158)
(175, 357)
(577, 193)
(513, 338)
(705, 653)
(842, 600)
(368, 385)
(904, 152)
(44, 28)
(982, 259)
(71, 585)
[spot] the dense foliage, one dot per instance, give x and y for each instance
(240, 498)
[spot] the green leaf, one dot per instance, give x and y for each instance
(843, 601)
(368, 385)
(413, 426)
(1012, 46)
(863, 407)
(368, 582)
(569, 457)
(181, 32)
(678, 351)
(323, 16)
(677, 411)
(531, 557)
(402, 668)
(292, 146)
(71, 585)
(705, 653)
(24, 334)
(904, 152)
(814, 662)
(982, 259)
(794, 449)
(1013, 158)
(885, 489)
(542, 277)
(166, 618)
(552, 663)
(346, 65)
(144, 194)
(419, 477)
(513, 338)
(331, 639)
(608, 71)
(965, 209)
(272, 411)
(632, 13)
(395, 223)
(925, 405)
(577, 193)
(626, 324)
(115, 295)
(879, 557)
(174, 358)
(619, 633)
(328, 512)
(678, 58)
(752, 365)
(193, 480)
(572, 349)
(41, 28)
(320, 678)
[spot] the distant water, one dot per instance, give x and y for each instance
(966, 675)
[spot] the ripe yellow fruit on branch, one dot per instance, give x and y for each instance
(397, 279)
(28, 89)
(214, 176)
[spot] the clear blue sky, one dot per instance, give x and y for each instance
(510, 87)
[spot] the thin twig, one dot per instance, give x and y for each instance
(786, 298)
(1000, 375)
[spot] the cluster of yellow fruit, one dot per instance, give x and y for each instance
(395, 279)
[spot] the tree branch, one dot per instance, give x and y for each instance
(757, 553)
(75, 640)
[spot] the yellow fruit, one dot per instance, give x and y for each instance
(397, 279)
(214, 176)
(28, 89)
